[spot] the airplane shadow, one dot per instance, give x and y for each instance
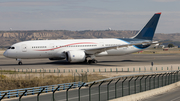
(63, 62)
(123, 61)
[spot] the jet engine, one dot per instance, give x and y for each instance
(75, 56)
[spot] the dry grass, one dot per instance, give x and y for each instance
(1, 52)
(18, 81)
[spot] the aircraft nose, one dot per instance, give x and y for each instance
(5, 54)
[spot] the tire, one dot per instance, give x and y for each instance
(19, 63)
(85, 61)
(90, 61)
(94, 61)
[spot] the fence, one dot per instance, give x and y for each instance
(131, 84)
(119, 86)
(35, 90)
(120, 69)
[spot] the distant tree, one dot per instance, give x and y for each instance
(170, 45)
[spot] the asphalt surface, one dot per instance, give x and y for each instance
(135, 87)
(109, 61)
(173, 95)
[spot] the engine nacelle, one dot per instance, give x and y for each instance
(75, 56)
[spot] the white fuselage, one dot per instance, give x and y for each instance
(56, 48)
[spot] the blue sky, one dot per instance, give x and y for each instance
(88, 14)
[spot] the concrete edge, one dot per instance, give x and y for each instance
(146, 94)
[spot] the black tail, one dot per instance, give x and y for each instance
(148, 31)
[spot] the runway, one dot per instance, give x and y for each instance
(109, 61)
(168, 96)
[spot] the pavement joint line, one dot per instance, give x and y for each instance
(175, 99)
(138, 96)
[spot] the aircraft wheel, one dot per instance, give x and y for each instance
(90, 61)
(94, 61)
(85, 61)
(19, 63)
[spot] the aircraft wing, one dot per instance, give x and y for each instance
(102, 49)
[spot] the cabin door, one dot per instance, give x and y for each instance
(24, 48)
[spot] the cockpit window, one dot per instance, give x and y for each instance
(11, 48)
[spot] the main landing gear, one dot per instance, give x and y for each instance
(20, 62)
(92, 61)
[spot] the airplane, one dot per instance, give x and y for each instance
(84, 50)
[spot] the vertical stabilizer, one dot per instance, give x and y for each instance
(148, 31)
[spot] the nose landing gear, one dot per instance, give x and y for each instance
(20, 61)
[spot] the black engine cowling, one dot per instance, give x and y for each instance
(75, 56)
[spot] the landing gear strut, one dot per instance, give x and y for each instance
(20, 62)
(85, 61)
